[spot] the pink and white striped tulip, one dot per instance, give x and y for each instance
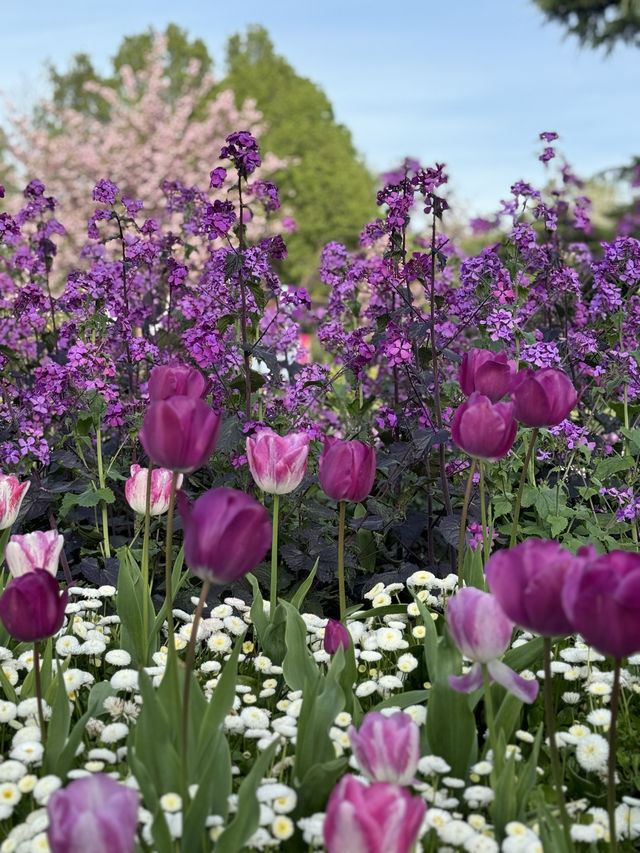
(482, 631)
(387, 749)
(30, 551)
(135, 489)
(277, 462)
(378, 818)
(12, 492)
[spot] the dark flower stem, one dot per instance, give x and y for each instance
(169, 562)
(611, 773)
(206, 586)
(553, 746)
(36, 673)
(463, 522)
(523, 477)
(341, 593)
(273, 591)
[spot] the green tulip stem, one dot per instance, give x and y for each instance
(144, 566)
(36, 674)
(191, 653)
(490, 719)
(102, 484)
(169, 563)
(611, 772)
(523, 477)
(553, 746)
(463, 522)
(483, 514)
(273, 591)
(342, 505)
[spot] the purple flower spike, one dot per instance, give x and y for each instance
(482, 632)
(387, 749)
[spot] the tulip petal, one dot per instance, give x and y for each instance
(522, 688)
(468, 682)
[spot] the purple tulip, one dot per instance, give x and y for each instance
(335, 635)
(602, 600)
(31, 607)
(484, 429)
(347, 469)
(387, 749)
(135, 489)
(527, 580)
(488, 373)
(542, 398)
(12, 492)
(278, 462)
(378, 818)
(94, 813)
(482, 632)
(178, 380)
(180, 433)
(226, 534)
(37, 550)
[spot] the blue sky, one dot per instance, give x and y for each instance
(467, 82)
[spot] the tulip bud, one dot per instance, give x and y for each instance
(335, 635)
(378, 818)
(94, 813)
(135, 489)
(542, 398)
(178, 380)
(180, 433)
(488, 373)
(527, 581)
(12, 493)
(347, 469)
(387, 749)
(484, 429)
(37, 550)
(31, 607)
(602, 600)
(482, 632)
(277, 463)
(226, 534)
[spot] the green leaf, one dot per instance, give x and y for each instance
(430, 641)
(91, 497)
(130, 604)
(222, 700)
(299, 596)
(58, 726)
(504, 808)
(403, 700)
(95, 705)
(247, 817)
(258, 616)
(298, 667)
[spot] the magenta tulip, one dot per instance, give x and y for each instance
(482, 632)
(387, 749)
(602, 600)
(488, 373)
(178, 380)
(135, 489)
(226, 534)
(484, 429)
(542, 398)
(335, 635)
(347, 469)
(378, 818)
(528, 580)
(180, 433)
(95, 814)
(277, 462)
(12, 493)
(31, 607)
(37, 550)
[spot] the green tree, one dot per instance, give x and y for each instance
(329, 189)
(597, 23)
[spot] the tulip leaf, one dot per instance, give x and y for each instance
(318, 784)
(130, 603)
(9, 692)
(258, 616)
(528, 776)
(299, 596)
(504, 806)
(178, 578)
(58, 726)
(430, 642)
(247, 817)
(298, 667)
(508, 715)
(95, 705)
(403, 700)
(214, 787)
(222, 700)
(523, 657)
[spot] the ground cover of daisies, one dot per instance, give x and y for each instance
(388, 639)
